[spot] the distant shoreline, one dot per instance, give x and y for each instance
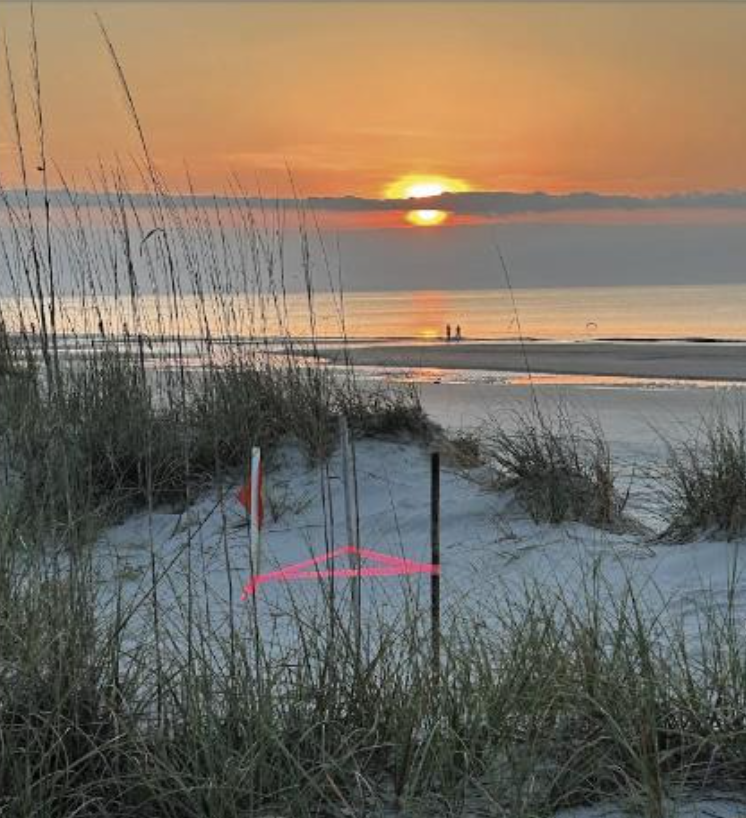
(704, 360)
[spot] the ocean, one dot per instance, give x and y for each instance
(682, 313)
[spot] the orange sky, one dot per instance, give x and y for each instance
(553, 96)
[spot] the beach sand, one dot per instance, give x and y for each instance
(686, 361)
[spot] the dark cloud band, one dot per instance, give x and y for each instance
(483, 203)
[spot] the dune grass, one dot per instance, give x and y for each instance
(110, 438)
(558, 466)
(562, 702)
(704, 479)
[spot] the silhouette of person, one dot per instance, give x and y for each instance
(458, 332)
(448, 332)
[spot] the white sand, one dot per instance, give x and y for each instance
(490, 549)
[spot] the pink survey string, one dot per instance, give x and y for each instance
(389, 566)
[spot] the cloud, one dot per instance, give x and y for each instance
(483, 203)
(504, 203)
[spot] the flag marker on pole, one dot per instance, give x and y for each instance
(244, 497)
(251, 497)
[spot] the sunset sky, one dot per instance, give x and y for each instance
(609, 97)
(379, 99)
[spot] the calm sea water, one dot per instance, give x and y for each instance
(717, 312)
(686, 313)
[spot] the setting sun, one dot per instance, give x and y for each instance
(414, 186)
(424, 187)
(426, 218)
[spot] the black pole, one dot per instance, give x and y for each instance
(435, 560)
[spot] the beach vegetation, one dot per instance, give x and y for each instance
(463, 449)
(703, 481)
(558, 466)
(112, 437)
(110, 705)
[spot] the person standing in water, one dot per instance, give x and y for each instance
(458, 332)
(448, 332)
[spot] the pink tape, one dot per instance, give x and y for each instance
(390, 566)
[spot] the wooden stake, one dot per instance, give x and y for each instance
(435, 560)
(349, 496)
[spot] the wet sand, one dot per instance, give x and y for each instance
(685, 361)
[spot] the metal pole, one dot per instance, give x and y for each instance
(255, 553)
(435, 560)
